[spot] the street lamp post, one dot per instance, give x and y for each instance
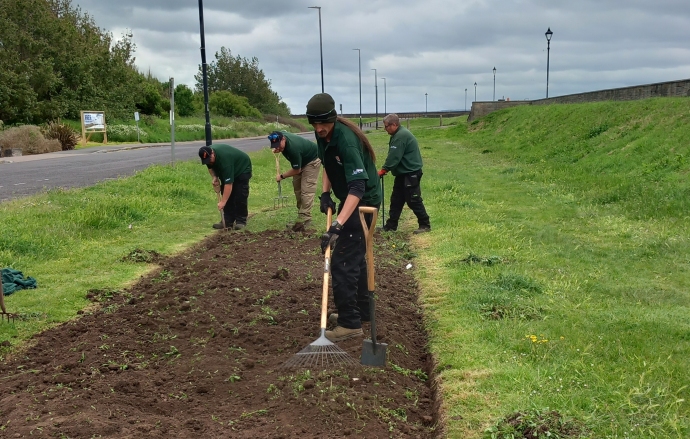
(548, 34)
(359, 59)
(204, 74)
(320, 42)
(426, 104)
(494, 83)
(376, 87)
(465, 99)
(384, 96)
(475, 92)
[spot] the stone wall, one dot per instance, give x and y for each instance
(679, 88)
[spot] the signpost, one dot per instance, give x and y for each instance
(93, 122)
(172, 119)
(136, 118)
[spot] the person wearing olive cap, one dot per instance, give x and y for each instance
(349, 170)
(231, 170)
(305, 165)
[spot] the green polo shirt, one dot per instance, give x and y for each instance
(230, 163)
(298, 150)
(344, 160)
(403, 153)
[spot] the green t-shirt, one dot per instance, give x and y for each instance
(230, 163)
(403, 153)
(298, 150)
(344, 159)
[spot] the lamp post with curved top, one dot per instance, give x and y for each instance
(494, 83)
(376, 87)
(548, 34)
(320, 42)
(359, 58)
(475, 92)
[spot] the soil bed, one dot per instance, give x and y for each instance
(195, 349)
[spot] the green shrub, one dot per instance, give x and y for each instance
(29, 138)
(227, 104)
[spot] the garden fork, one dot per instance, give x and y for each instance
(281, 200)
(4, 314)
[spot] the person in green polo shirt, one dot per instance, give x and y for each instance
(349, 171)
(305, 165)
(404, 161)
(230, 170)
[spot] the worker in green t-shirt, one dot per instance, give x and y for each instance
(231, 170)
(349, 170)
(304, 170)
(404, 161)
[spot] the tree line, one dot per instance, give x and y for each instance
(55, 62)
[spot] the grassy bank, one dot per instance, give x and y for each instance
(555, 280)
(557, 274)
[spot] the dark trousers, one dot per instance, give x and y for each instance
(349, 273)
(407, 189)
(236, 210)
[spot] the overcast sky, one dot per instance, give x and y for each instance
(434, 47)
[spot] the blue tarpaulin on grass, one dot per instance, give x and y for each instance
(14, 280)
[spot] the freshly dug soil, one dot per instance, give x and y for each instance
(196, 349)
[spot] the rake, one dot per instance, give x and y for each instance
(280, 200)
(322, 352)
(4, 314)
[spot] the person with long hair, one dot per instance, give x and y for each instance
(349, 170)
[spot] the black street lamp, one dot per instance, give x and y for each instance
(475, 92)
(207, 127)
(376, 86)
(384, 96)
(426, 104)
(494, 83)
(465, 99)
(548, 34)
(359, 58)
(320, 42)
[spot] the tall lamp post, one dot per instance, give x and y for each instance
(207, 127)
(376, 87)
(359, 59)
(465, 99)
(384, 96)
(494, 83)
(475, 92)
(548, 34)
(320, 42)
(426, 104)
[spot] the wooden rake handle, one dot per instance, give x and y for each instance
(369, 237)
(326, 274)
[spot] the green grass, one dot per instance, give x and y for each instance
(549, 285)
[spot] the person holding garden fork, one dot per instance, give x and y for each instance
(305, 165)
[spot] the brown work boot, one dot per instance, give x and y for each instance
(333, 319)
(219, 226)
(422, 229)
(339, 334)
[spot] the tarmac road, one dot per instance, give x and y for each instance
(31, 174)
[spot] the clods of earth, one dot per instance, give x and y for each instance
(196, 349)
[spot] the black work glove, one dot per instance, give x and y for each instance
(328, 238)
(326, 202)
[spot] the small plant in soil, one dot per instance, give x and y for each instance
(535, 424)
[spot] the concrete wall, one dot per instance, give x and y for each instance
(680, 88)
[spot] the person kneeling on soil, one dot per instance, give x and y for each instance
(231, 170)
(302, 155)
(349, 170)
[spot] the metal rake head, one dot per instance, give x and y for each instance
(322, 353)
